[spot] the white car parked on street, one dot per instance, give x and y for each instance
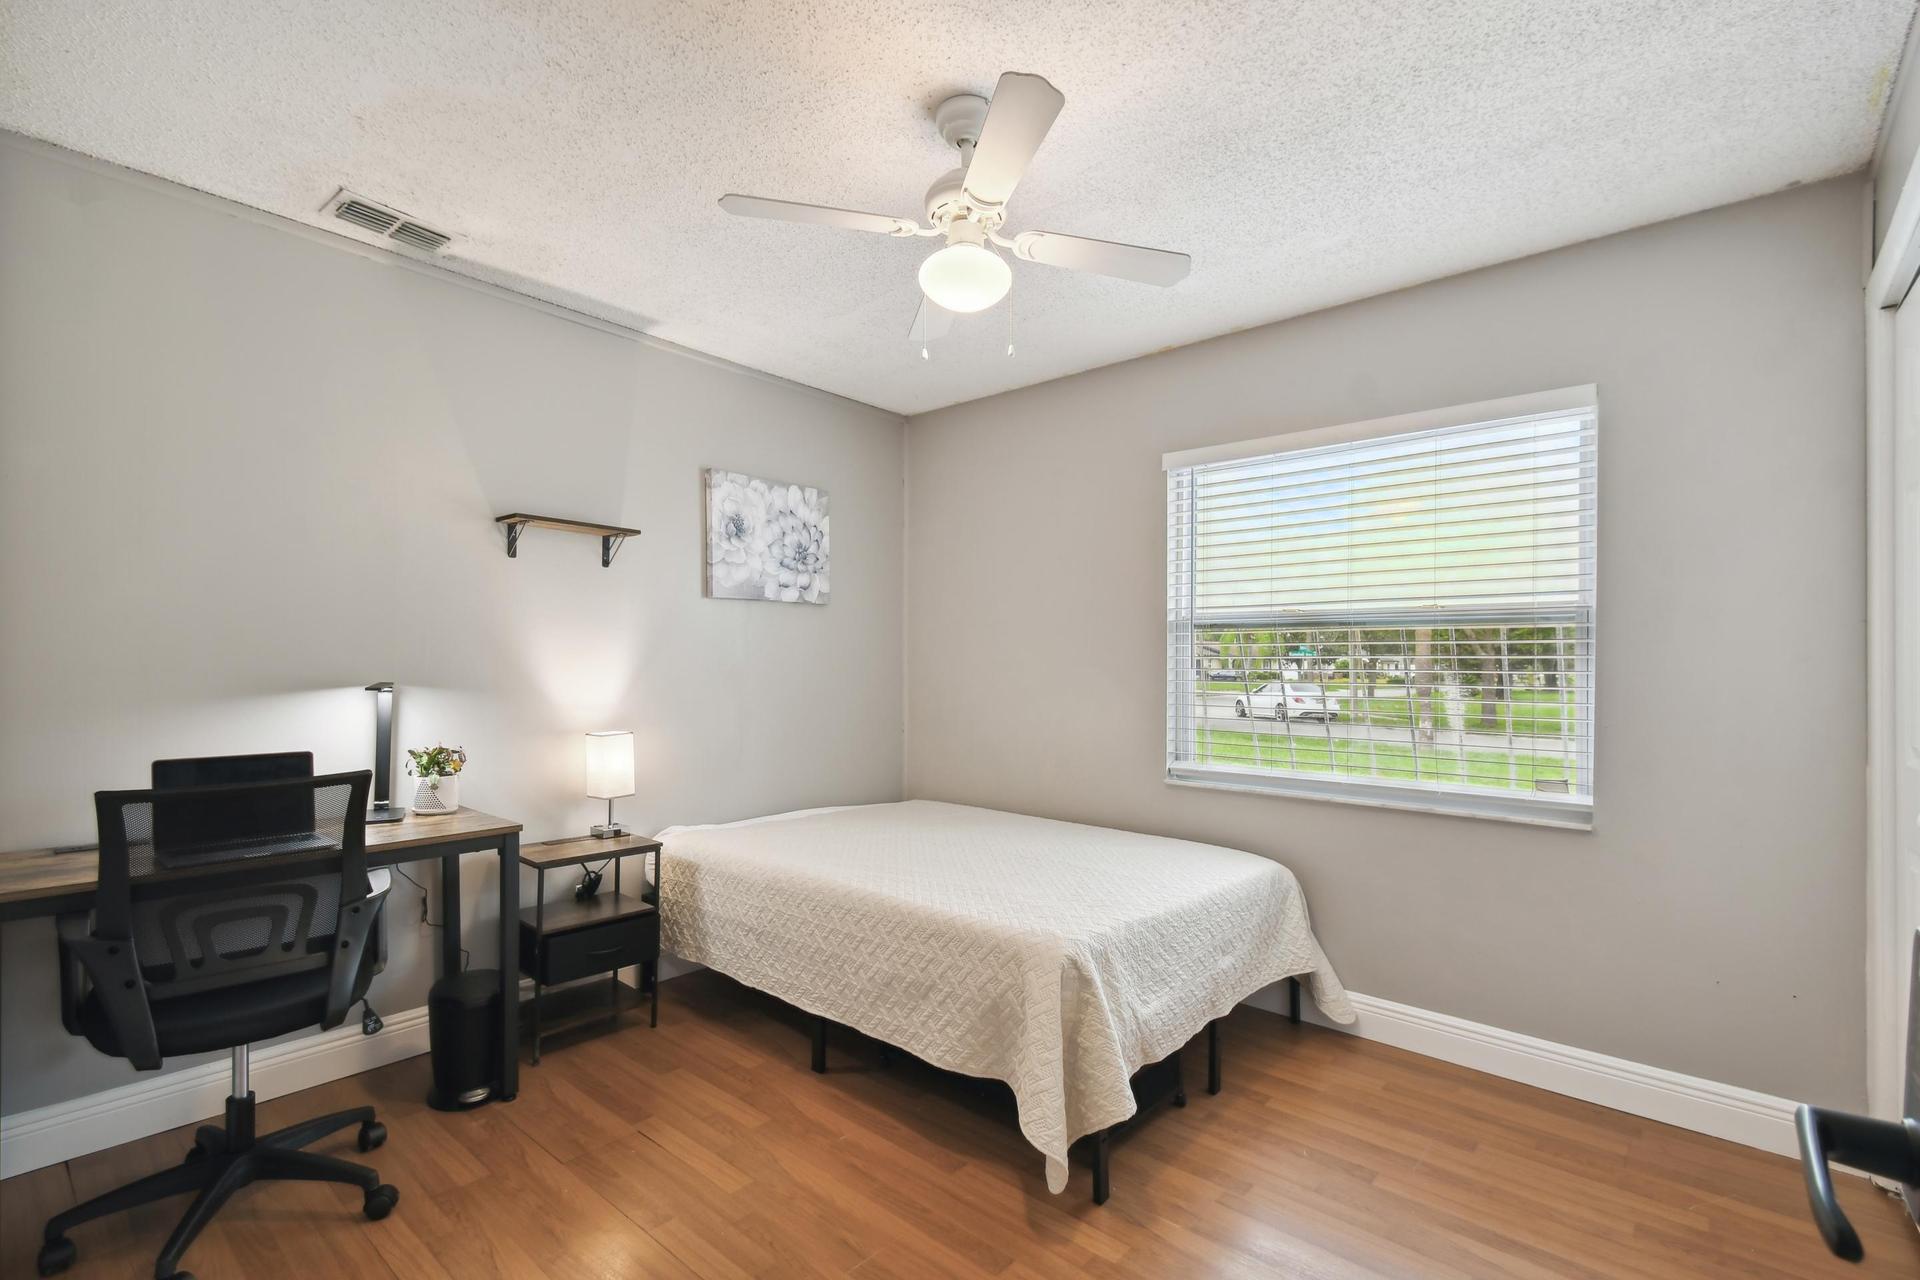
(1286, 700)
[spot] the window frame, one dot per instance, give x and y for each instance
(1547, 809)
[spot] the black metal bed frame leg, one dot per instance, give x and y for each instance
(820, 1046)
(1293, 1001)
(1179, 1081)
(1213, 1056)
(1102, 1153)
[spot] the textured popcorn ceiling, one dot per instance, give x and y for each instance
(1305, 154)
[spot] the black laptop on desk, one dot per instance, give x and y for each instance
(189, 828)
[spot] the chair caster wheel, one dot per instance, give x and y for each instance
(56, 1256)
(372, 1134)
(380, 1201)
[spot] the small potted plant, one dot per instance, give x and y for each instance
(438, 769)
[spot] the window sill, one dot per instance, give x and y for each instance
(1570, 813)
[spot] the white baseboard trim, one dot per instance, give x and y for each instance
(47, 1135)
(1690, 1102)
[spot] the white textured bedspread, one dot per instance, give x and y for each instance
(1059, 958)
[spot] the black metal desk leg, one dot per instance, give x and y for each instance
(509, 966)
(1293, 1001)
(450, 915)
(653, 976)
(1102, 1154)
(539, 928)
(820, 1046)
(1213, 1056)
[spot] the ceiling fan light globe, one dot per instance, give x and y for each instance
(965, 278)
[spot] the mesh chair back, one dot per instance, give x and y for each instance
(237, 883)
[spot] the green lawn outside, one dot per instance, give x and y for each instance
(1394, 712)
(1535, 711)
(1300, 753)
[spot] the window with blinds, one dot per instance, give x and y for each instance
(1399, 612)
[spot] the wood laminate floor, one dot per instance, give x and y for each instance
(707, 1149)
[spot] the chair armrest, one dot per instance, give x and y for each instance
(112, 968)
(380, 879)
(74, 985)
(357, 922)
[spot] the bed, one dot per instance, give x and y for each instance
(1056, 957)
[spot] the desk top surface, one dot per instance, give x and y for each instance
(27, 874)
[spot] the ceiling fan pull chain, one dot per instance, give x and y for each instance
(1009, 322)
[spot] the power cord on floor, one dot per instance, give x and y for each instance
(466, 957)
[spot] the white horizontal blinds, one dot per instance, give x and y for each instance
(1434, 587)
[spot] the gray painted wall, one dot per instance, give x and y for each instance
(1711, 922)
(244, 471)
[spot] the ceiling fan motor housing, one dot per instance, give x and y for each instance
(959, 120)
(947, 198)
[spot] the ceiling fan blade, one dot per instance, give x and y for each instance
(931, 321)
(792, 211)
(1103, 257)
(1022, 110)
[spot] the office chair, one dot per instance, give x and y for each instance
(226, 914)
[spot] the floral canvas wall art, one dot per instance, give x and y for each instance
(765, 540)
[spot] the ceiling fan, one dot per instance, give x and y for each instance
(968, 206)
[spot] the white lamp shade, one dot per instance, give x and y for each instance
(610, 764)
(965, 278)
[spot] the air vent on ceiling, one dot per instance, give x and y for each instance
(386, 223)
(362, 214)
(420, 237)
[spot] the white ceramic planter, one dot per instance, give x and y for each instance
(435, 797)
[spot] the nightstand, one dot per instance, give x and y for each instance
(568, 940)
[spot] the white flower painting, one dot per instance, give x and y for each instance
(765, 540)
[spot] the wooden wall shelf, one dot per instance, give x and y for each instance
(610, 535)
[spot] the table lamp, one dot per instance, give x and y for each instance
(609, 773)
(383, 809)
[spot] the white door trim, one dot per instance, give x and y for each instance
(1887, 929)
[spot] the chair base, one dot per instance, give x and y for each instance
(223, 1159)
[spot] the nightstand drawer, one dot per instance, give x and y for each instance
(578, 953)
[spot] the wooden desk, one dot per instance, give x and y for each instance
(50, 882)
